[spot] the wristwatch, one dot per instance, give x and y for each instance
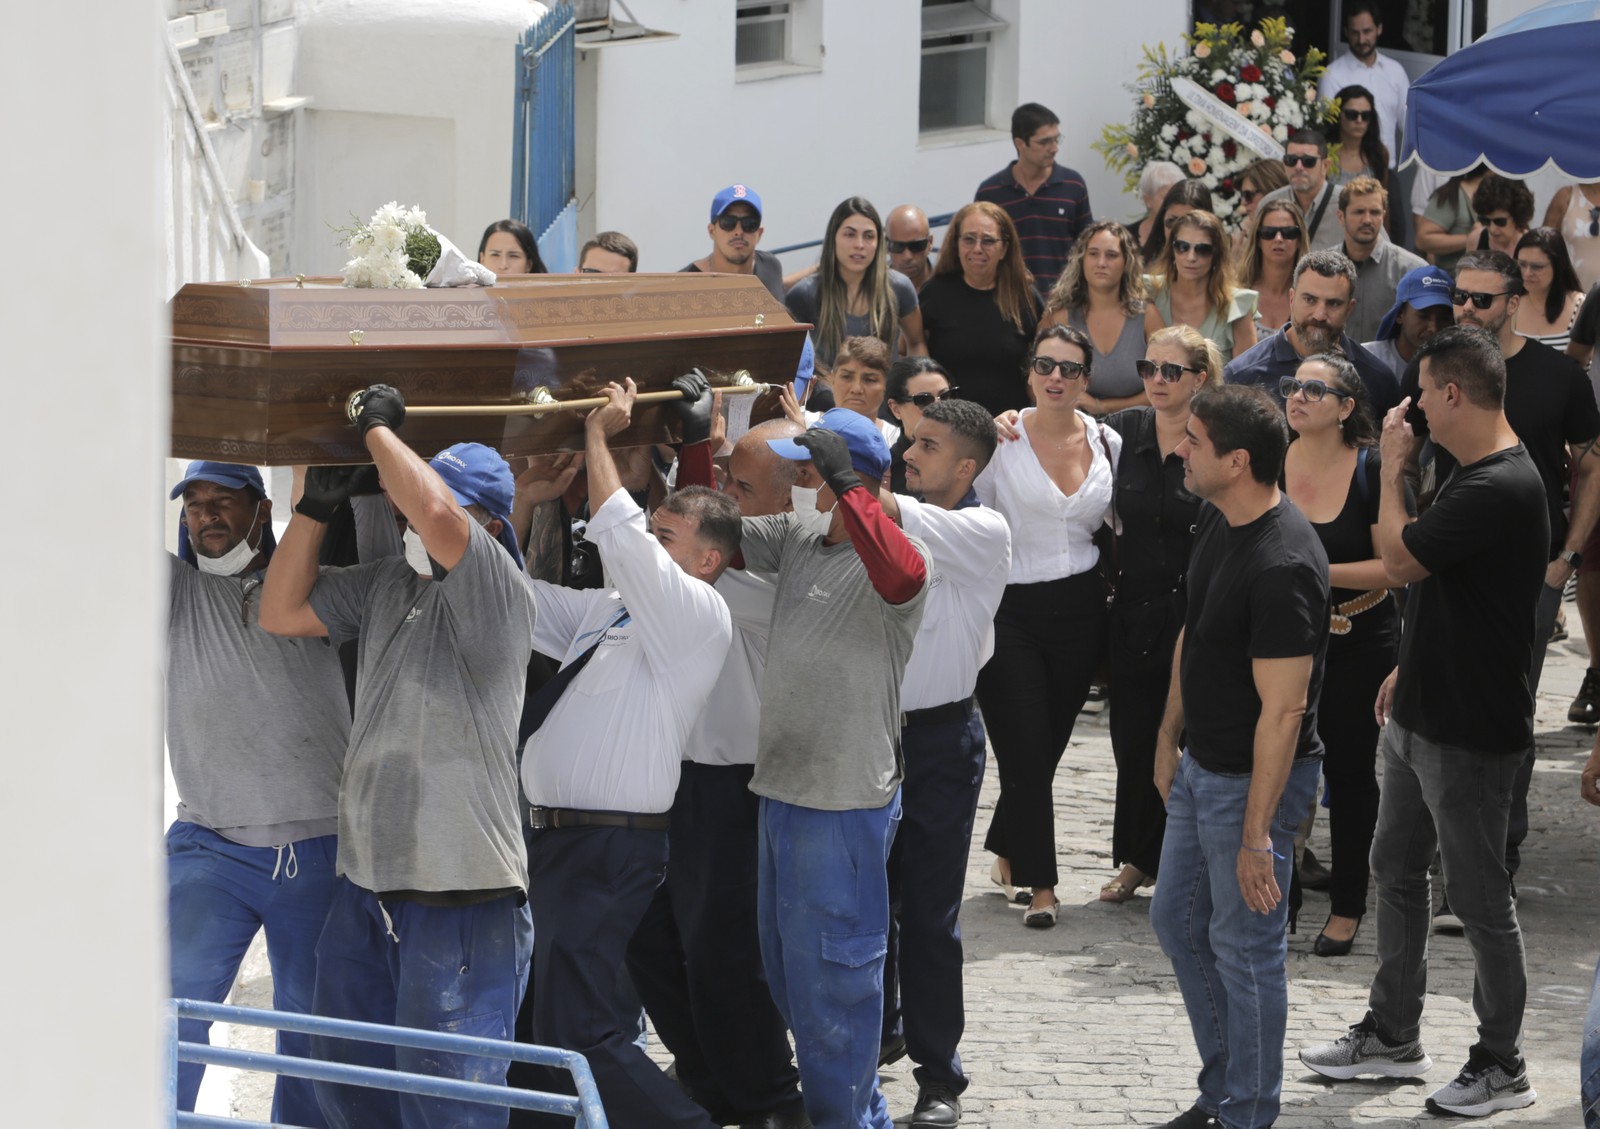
(1574, 559)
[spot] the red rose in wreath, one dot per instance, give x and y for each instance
(1251, 73)
(1225, 92)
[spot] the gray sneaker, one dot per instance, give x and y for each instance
(1483, 1086)
(1361, 1051)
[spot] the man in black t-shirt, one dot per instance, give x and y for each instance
(1550, 406)
(1459, 713)
(1247, 675)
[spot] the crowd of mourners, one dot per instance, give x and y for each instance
(536, 749)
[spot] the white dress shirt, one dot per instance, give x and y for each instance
(1388, 82)
(1051, 533)
(971, 551)
(727, 728)
(615, 739)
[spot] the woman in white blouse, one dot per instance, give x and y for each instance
(1053, 484)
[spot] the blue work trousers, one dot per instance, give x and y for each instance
(218, 894)
(458, 969)
(1230, 961)
(823, 905)
(923, 996)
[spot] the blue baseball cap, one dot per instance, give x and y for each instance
(1420, 288)
(734, 194)
(231, 475)
(479, 475)
(869, 454)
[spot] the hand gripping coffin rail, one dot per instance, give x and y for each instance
(585, 1109)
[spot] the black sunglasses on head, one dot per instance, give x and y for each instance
(1070, 370)
(901, 246)
(1291, 232)
(1360, 115)
(923, 399)
(1183, 247)
(748, 223)
(1479, 299)
(1304, 160)
(1170, 371)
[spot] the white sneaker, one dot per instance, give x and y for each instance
(1360, 1051)
(1483, 1087)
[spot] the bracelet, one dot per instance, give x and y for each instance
(1264, 851)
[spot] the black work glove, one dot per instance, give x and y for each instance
(327, 488)
(694, 410)
(381, 405)
(830, 454)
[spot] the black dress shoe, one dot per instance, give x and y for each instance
(1326, 946)
(1193, 1118)
(937, 1107)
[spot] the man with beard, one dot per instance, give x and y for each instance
(735, 229)
(910, 243)
(1320, 302)
(1379, 263)
(1421, 309)
(1305, 159)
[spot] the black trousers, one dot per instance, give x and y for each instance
(696, 956)
(1049, 640)
(922, 988)
(588, 887)
(1143, 635)
(1354, 670)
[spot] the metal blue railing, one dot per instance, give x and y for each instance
(934, 224)
(584, 1109)
(543, 149)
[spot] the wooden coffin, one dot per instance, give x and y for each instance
(261, 371)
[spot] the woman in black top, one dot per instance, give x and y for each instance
(980, 310)
(1156, 517)
(914, 383)
(1331, 473)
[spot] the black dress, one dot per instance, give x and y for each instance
(1157, 515)
(983, 351)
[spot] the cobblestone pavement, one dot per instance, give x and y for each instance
(1082, 1025)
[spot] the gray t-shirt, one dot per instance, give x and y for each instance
(257, 725)
(830, 696)
(802, 303)
(430, 796)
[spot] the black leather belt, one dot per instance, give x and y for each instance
(541, 819)
(938, 715)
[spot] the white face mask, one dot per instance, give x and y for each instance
(234, 560)
(806, 513)
(417, 554)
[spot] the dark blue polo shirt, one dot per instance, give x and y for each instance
(1047, 222)
(1272, 359)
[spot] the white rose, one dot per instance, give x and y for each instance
(1169, 132)
(1218, 75)
(1194, 119)
(1210, 180)
(1280, 133)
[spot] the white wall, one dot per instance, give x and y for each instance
(83, 943)
(412, 102)
(672, 123)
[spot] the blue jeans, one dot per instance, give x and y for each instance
(823, 905)
(459, 969)
(1589, 1064)
(1229, 959)
(218, 894)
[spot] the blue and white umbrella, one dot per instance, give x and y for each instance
(1524, 97)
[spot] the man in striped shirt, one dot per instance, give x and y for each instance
(1048, 202)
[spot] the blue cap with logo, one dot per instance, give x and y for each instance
(734, 194)
(869, 454)
(1419, 288)
(232, 475)
(478, 475)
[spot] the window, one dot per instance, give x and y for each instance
(761, 32)
(956, 65)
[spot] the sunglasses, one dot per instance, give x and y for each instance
(1183, 247)
(1594, 222)
(1169, 371)
(988, 241)
(1070, 370)
(748, 223)
(1304, 160)
(901, 246)
(1479, 300)
(1314, 390)
(1360, 115)
(1498, 221)
(1291, 233)
(923, 399)
(1249, 195)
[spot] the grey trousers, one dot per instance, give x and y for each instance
(1456, 801)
